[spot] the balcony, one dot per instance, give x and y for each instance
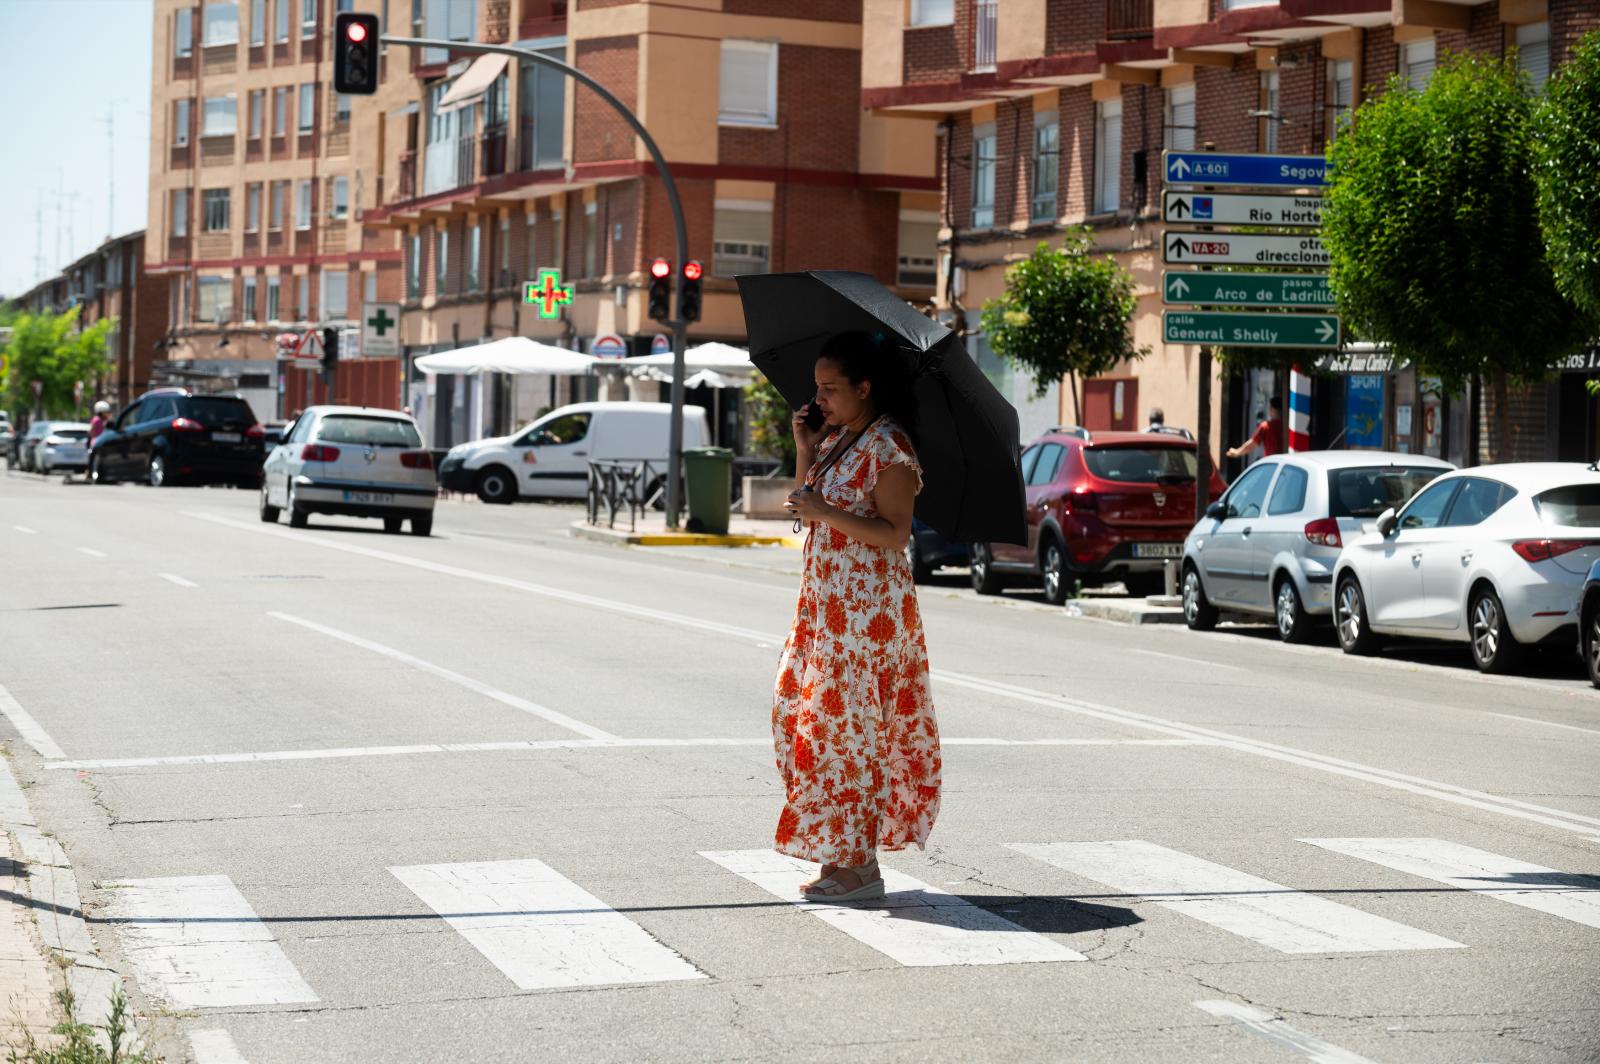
(985, 33)
(405, 186)
(493, 156)
(1126, 19)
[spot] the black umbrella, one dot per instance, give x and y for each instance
(967, 431)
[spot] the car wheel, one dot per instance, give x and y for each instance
(422, 525)
(1053, 567)
(1198, 612)
(269, 513)
(1591, 646)
(1350, 619)
(393, 524)
(985, 581)
(156, 473)
(1294, 623)
(1494, 648)
(921, 571)
(298, 515)
(497, 485)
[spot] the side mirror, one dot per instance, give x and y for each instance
(1217, 511)
(1386, 523)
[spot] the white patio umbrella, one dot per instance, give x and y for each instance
(712, 356)
(514, 354)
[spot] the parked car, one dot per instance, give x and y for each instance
(1269, 546)
(29, 444)
(1589, 623)
(551, 456)
(8, 436)
(928, 552)
(271, 435)
(64, 448)
(352, 460)
(171, 436)
(1493, 556)
(1100, 506)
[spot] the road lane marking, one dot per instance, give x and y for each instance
(539, 928)
(28, 728)
(503, 697)
(335, 753)
(1546, 723)
(91, 552)
(197, 943)
(1267, 913)
(25, 530)
(1270, 1026)
(176, 579)
(1434, 789)
(1191, 661)
(915, 924)
(1532, 886)
(215, 1046)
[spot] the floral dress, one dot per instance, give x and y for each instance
(852, 719)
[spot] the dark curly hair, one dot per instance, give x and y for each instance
(863, 356)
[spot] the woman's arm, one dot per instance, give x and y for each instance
(895, 497)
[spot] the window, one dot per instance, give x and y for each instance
(258, 103)
(252, 208)
(215, 293)
(1369, 490)
(340, 205)
(1244, 499)
(741, 237)
(1533, 53)
(474, 251)
(1180, 117)
(341, 108)
(275, 209)
(180, 212)
(302, 206)
(180, 123)
(543, 93)
(748, 91)
(1046, 156)
(220, 24)
(414, 267)
(591, 224)
(1141, 465)
(258, 22)
(919, 249)
(568, 428)
(249, 309)
(1108, 156)
(306, 113)
(367, 431)
(280, 32)
(272, 298)
(308, 17)
(1030, 458)
(933, 12)
(1289, 497)
(1573, 505)
(220, 116)
(214, 210)
(505, 251)
(983, 163)
(441, 260)
(335, 298)
(449, 20)
(280, 111)
(1416, 62)
(1341, 94)
(1044, 470)
(1427, 509)
(1478, 499)
(183, 33)
(302, 306)
(369, 286)
(1273, 117)
(497, 103)
(1234, 5)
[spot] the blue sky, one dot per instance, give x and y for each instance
(67, 62)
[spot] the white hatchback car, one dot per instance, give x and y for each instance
(351, 460)
(1493, 556)
(1269, 545)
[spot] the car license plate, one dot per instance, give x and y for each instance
(226, 437)
(368, 498)
(1158, 550)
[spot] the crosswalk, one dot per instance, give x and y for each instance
(196, 942)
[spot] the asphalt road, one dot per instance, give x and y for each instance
(498, 795)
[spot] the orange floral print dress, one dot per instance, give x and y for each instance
(852, 720)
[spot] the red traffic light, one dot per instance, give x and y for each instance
(692, 271)
(356, 32)
(661, 268)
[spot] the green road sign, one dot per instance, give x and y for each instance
(1246, 289)
(1246, 329)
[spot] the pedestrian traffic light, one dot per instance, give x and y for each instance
(661, 290)
(689, 296)
(355, 53)
(330, 349)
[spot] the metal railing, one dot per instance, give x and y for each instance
(1129, 18)
(617, 483)
(985, 30)
(494, 151)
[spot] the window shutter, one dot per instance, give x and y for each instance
(745, 89)
(1533, 52)
(743, 226)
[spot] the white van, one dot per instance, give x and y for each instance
(550, 458)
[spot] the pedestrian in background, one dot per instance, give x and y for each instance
(853, 723)
(1268, 434)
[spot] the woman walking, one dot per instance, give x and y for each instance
(853, 725)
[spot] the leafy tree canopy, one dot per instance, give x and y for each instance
(1567, 173)
(51, 349)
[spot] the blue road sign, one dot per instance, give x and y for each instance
(1213, 168)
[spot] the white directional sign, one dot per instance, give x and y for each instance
(1211, 208)
(1208, 249)
(380, 330)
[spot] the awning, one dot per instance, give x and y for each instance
(514, 354)
(473, 84)
(409, 109)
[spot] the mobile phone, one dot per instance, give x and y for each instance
(814, 415)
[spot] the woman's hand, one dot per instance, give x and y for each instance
(808, 505)
(807, 438)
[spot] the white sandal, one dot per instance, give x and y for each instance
(868, 890)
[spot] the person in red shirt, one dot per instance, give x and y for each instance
(1268, 435)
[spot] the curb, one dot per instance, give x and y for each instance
(584, 530)
(1124, 612)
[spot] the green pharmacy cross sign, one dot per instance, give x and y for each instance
(381, 322)
(1245, 329)
(548, 292)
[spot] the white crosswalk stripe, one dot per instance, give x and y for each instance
(1279, 917)
(196, 943)
(541, 929)
(1532, 886)
(914, 924)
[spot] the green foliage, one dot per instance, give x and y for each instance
(1431, 222)
(1064, 313)
(1567, 173)
(76, 1042)
(50, 348)
(770, 417)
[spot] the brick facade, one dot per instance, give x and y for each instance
(598, 132)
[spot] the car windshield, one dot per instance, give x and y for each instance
(217, 410)
(1141, 465)
(1575, 505)
(1367, 491)
(371, 431)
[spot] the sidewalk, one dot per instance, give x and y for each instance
(27, 976)
(652, 531)
(1157, 609)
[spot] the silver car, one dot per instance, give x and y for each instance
(56, 445)
(1268, 547)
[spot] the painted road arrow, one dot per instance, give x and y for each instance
(1246, 289)
(1207, 249)
(1274, 171)
(1246, 329)
(1210, 208)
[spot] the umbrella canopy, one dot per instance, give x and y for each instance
(702, 356)
(514, 354)
(968, 436)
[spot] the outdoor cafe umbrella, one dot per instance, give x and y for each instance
(967, 431)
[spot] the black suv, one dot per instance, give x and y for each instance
(171, 436)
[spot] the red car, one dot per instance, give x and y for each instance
(1101, 506)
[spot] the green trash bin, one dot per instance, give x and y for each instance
(708, 472)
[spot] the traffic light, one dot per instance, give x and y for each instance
(661, 290)
(330, 349)
(355, 53)
(689, 297)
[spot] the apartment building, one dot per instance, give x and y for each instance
(258, 174)
(493, 169)
(1055, 112)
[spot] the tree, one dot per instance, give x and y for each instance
(51, 349)
(1065, 313)
(1567, 173)
(770, 417)
(1430, 218)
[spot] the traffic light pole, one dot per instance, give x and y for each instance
(680, 232)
